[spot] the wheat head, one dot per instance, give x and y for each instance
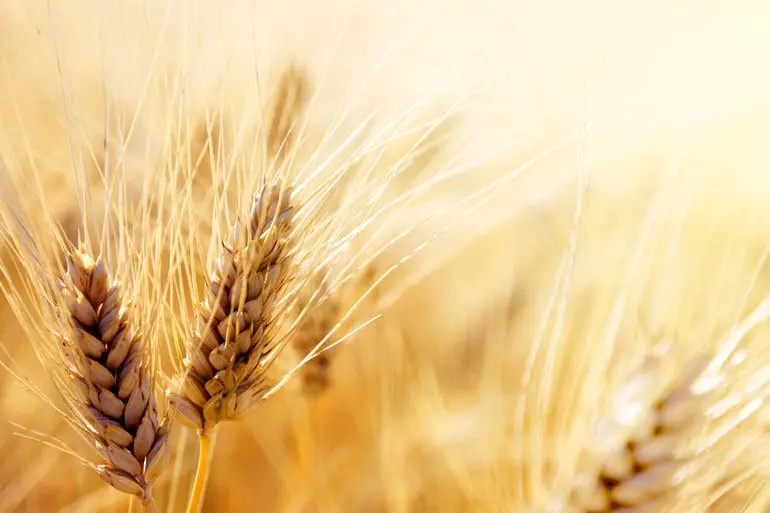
(640, 467)
(224, 366)
(107, 364)
(657, 442)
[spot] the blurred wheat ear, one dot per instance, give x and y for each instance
(289, 104)
(318, 310)
(641, 466)
(674, 433)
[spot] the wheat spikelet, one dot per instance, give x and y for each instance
(107, 364)
(224, 366)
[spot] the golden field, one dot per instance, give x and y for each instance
(526, 201)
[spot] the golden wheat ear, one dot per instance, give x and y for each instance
(318, 311)
(112, 377)
(227, 357)
(667, 426)
(287, 107)
(638, 466)
(236, 341)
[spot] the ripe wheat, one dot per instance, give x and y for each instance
(226, 359)
(108, 364)
(627, 92)
(642, 464)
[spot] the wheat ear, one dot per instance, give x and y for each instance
(643, 443)
(107, 364)
(224, 369)
(318, 310)
(288, 104)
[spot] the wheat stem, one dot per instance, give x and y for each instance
(201, 474)
(150, 506)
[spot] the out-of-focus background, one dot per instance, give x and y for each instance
(624, 149)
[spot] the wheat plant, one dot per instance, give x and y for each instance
(81, 322)
(387, 257)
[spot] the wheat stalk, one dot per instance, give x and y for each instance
(106, 361)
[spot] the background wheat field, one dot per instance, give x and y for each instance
(545, 225)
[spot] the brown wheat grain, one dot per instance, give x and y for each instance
(226, 358)
(108, 364)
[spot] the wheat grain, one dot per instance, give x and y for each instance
(107, 363)
(224, 366)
